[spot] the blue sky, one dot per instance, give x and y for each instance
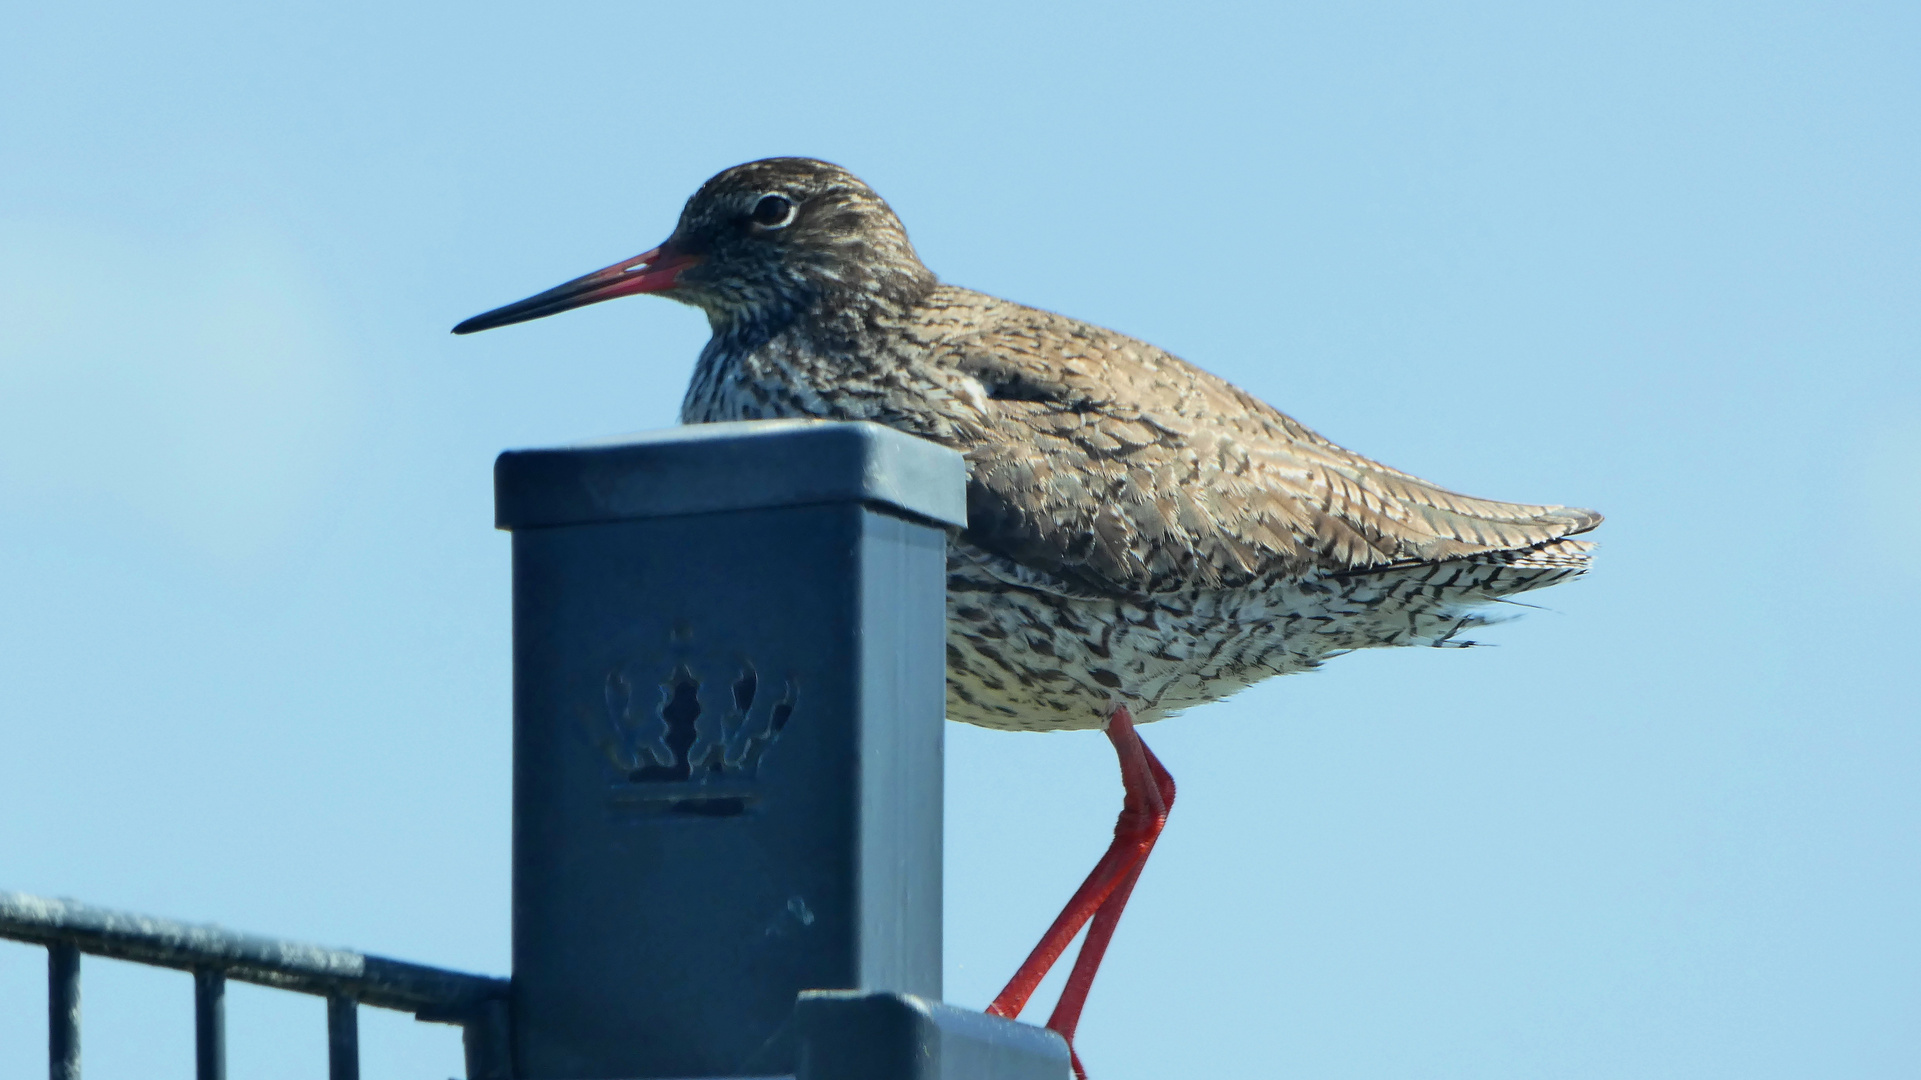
(1657, 259)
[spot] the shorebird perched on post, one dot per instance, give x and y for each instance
(1142, 536)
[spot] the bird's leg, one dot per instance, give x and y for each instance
(1149, 793)
(1067, 1011)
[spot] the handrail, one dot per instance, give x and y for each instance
(66, 928)
(430, 993)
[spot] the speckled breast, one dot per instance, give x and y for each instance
(1026, 654)
(1031, 656)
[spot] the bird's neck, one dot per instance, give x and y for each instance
(796, 359)
(827, 315)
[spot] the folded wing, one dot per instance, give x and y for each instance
(1113, 465)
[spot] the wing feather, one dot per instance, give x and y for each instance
(1116, 466)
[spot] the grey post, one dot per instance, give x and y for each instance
(729, 652)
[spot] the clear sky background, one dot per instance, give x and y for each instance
(1654, 258)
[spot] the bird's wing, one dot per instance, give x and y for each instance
(1116, 466)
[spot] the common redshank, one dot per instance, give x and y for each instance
(1142, 536)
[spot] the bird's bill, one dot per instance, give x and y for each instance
(652, 271)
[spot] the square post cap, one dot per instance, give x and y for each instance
(743, 465)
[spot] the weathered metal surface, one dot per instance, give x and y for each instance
(727, 701)
(430, 993)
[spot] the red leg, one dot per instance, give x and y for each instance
(1067, 1011)
(1149, 794)
(1066, 1016)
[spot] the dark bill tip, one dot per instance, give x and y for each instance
(653, 271)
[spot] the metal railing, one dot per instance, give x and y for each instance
(346, 979)
(729, 670)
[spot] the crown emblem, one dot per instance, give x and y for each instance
(672, 733)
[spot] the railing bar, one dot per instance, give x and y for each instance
(63, 1012)
(343, 1037)
(431, 993)
(210, 1024)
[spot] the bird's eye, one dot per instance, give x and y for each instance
(773, 211)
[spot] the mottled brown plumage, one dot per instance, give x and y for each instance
(1139, 531)
(1141, 534)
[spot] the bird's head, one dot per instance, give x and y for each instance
(765, 241)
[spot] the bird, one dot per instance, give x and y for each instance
(1142, 536)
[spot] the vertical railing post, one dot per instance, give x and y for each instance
(63, 1012)
(210, 1024)
(729, 650)
(486, 1039)
(343, 1037)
